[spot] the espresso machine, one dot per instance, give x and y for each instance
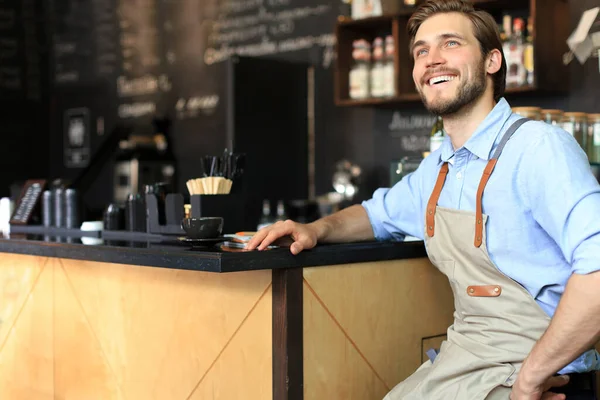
(144, 158)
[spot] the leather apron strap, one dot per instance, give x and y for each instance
(489, 168)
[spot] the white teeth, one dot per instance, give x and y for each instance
(444, 78)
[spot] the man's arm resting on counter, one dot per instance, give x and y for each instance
(351, 224)
(574, 329)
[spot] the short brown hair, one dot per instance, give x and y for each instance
(484, 28)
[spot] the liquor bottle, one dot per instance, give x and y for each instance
(437, 135)
(281, 214)
(389, 73)
(359, 72)
(377, 69)
(507, 32)
(265, 219)
(516, 73)
(528, 56)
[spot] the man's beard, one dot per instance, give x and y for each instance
(468, 92)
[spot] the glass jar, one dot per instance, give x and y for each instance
(576, 124)
(552, 117)
(534, 113)
(594, 138)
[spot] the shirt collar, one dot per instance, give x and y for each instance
(483, 139)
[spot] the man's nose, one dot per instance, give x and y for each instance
(434, 57)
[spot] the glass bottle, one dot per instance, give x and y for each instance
(281, 214)
(265, 219)
(528, 53)
(594, 138)
(377, 69)
(516, 74)
(359, 72)
(437, 135)
(389, 72)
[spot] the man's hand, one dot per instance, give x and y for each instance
(304, 236)
(538, 391)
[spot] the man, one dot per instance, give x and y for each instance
(509, 211)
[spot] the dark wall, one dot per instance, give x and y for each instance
(23, 93)
(92, 58)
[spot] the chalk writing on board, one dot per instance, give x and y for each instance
(267, 47)
(258, 28)
(193, 106)
(412, 130)
(137, 109)
(410, 122)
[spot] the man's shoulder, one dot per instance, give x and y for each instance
(533, 134)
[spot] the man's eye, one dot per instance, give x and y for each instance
(421, 52)
(452, 43)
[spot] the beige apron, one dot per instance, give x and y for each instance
(496, 320)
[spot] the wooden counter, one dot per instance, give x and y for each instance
(76, 329)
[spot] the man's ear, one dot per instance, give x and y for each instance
(493, 62)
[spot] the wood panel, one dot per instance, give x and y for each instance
(88, 330)
(333, 367)
(161, 329)
(18, 276)
(81, 369)
(243, 371)
(26, 357)
(382, 310)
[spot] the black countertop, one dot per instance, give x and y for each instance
(172, 254)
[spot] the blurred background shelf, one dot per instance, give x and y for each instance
(549, 21)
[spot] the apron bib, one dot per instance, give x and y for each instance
(496, 320)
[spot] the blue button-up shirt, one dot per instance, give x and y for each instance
(542, 203)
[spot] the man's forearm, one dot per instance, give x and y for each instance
(348, 225)
(574, 329)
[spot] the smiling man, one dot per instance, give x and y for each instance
(509, 211)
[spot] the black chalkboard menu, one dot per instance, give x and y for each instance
(156, 54)
(21, 37)
(28, 201)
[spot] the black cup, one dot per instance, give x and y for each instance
(203, 228)
(114, 218)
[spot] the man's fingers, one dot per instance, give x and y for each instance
(556, 381)
(296, 248)
(278, 231)
(553, 396)
(257, 239)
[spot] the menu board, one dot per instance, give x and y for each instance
(84, 42)
(20, 66)
(199, 35)
(28, 201)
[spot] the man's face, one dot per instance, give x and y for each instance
(449, 70)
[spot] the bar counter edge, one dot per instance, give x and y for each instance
(216, 261)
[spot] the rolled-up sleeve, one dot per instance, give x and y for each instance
(564, 198)
(397, 212)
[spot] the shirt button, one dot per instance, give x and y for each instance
(459, 175)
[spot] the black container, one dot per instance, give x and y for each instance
(59, 207)
(71, 208)
(160, 190)
(47, 208)
(135, 213)
(114, 218)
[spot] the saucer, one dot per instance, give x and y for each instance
(201, 242)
